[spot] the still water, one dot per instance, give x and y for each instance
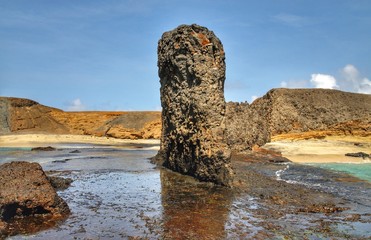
(118, 194)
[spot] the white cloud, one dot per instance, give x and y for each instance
(323, 81)
(253, 98)
(350, 72)
(76, 105)
(353, 82)
(365, 86)
(350, 81)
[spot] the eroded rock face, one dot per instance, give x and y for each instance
(297, 111)
(192, 73)
(28, 202)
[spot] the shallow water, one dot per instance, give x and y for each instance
(360, 170)
(117, 194)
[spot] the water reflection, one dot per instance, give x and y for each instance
(193, 210)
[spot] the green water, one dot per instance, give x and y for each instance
(361, 170)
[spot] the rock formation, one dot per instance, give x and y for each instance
(19, 115)
(27, 197)
(309, 112)
(192, 73)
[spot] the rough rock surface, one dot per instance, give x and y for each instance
(135, 125)
(297, 111)
(26, 194)
(4, 116)
(192, 73)
(19, 115)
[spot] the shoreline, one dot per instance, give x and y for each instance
(37, 140)
(331, 149)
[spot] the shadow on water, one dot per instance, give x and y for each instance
(191, 209)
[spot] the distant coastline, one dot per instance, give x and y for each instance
(36, 140)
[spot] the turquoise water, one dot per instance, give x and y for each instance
(360, 170)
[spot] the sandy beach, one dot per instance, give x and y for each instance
(331, 149)
(37, 140)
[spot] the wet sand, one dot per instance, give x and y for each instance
(35, 140)
(327, 150)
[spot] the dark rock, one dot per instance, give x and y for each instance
(26, 197)
(75, 151)
(49, 148)
(192, 73)
(358, 154)
(59, 183)
(62, 161)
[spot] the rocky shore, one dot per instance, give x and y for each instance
(246, 147)
(271, 198)
(28, 201)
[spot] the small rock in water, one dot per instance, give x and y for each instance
(75, 151)
(358, 154)
(59, 183)
(49, 148)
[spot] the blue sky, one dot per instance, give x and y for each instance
(102, 55)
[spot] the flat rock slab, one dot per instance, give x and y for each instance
(26, 197)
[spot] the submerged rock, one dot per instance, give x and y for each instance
(49, 148)
(26, 197)
(192, 73)
(59, 183)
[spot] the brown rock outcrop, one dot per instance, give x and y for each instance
(135, 125)
(19, 115)
(296, 112)
(26, 197)
(192, 73)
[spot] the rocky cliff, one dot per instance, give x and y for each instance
(19, 115)
(298, 112)
(280, 114)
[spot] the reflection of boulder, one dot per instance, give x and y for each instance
(193, 210)
(192, 73)
(28, 202)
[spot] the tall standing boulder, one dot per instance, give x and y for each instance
(192, 74)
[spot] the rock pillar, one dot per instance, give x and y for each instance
(192, 74)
